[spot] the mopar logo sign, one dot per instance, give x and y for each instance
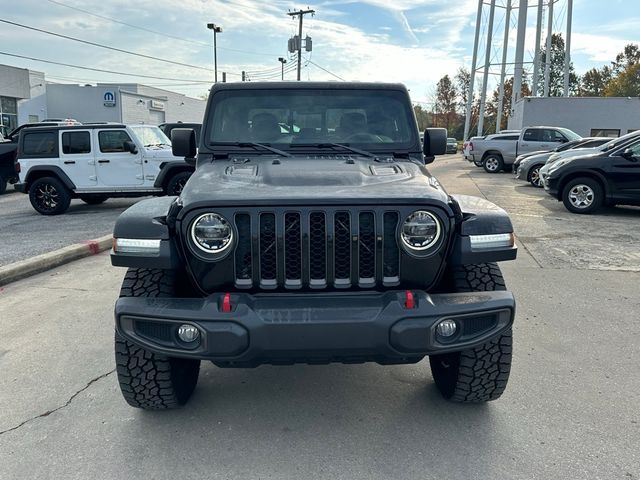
(109, 99)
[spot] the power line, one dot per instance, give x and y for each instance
(105, 71)
(86, 42)
(322, 68)
(182, 39)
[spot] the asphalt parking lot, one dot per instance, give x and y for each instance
(570, 411)
(26, 233)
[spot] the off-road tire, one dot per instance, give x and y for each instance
(597, 195)
(60, 196)
(477, 374)
(149, 380)
(93, 199)
(493, 163)
(177, 182)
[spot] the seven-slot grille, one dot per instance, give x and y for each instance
(317, 249)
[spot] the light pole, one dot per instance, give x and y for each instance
(216, 29)
(282, 61)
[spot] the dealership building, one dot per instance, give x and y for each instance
(26, 97)
(587, 116)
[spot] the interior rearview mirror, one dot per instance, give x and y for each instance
(130, 147)
(435, 143)
(183, 144)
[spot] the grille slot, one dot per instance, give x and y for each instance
(292, 250)
(268, 252)
(317, 249)
(243, 259)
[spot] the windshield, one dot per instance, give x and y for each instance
(150, 136)
(373, 120)
(571, 135)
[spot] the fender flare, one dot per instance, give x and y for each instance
(53, 169)
(169, 169)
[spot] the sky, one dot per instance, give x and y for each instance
(415, 42)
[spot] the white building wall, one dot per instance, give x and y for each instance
(35, 108)
(14, 82)
(85, 104)
(580, 114)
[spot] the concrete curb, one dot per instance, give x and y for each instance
(47, 261)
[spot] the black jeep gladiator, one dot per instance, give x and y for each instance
(327, 241)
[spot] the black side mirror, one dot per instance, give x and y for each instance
(629, 155)
(435, 143)
(130, 147)
(183, 143)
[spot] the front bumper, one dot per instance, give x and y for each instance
(551, 185)
(520, 173)
(314, 328)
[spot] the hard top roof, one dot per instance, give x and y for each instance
(308, 86)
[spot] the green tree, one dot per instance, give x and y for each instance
(491, 113)
(446, 102)
(462, 82)
(628, 57)
(626, 84)
(594, 82)
(423, 117)
(556, 78)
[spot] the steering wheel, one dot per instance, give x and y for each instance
(362, 138)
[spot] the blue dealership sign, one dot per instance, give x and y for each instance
(109, 99)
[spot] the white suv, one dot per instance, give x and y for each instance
(94, 162)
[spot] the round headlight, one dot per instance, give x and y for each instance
(211, 233)
(420, 230)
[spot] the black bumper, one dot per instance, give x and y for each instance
(20, 187)
(551, 186)
(314, 328)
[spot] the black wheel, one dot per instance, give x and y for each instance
(94, 199)
(148, 380)
(493, 163)
(177, 183)
(534, 176)
(49, 196)
(582, 195)
(477, 374)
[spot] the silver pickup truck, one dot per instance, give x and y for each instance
(496, 155)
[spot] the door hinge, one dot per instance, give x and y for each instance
(139, 177)
(150, 177)
(93, 178)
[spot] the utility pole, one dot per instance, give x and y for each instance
(300, 14)
(283, 60)
(216, 29)
(487, 65)
(467, 122)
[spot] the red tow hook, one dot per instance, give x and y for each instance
(226, 302)
(410, 301)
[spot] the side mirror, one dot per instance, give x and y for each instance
(435, 143)
(629, 155)
(130, 147)
(183, 143)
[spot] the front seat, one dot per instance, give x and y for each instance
(265, 128)
(352, 123)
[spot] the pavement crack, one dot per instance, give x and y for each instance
(66, 404)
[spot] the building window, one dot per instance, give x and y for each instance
(9, 112)
(605, 132)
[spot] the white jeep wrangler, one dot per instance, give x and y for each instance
(94, 162)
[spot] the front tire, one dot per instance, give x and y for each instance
(583, 195)
(477, 374)
(148, 380)
(493, 163)
(49, 196)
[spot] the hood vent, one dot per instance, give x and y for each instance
(385, 170)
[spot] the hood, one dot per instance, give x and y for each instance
(537, 158)
(576, 152)
(310, 180)
(161, 153)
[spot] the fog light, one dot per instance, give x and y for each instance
(446, 328)
(188, 333)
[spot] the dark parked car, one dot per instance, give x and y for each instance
(452, 145)
(331, 244)
(584, 184)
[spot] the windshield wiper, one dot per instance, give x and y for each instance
(337, 145)
(260, 145)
